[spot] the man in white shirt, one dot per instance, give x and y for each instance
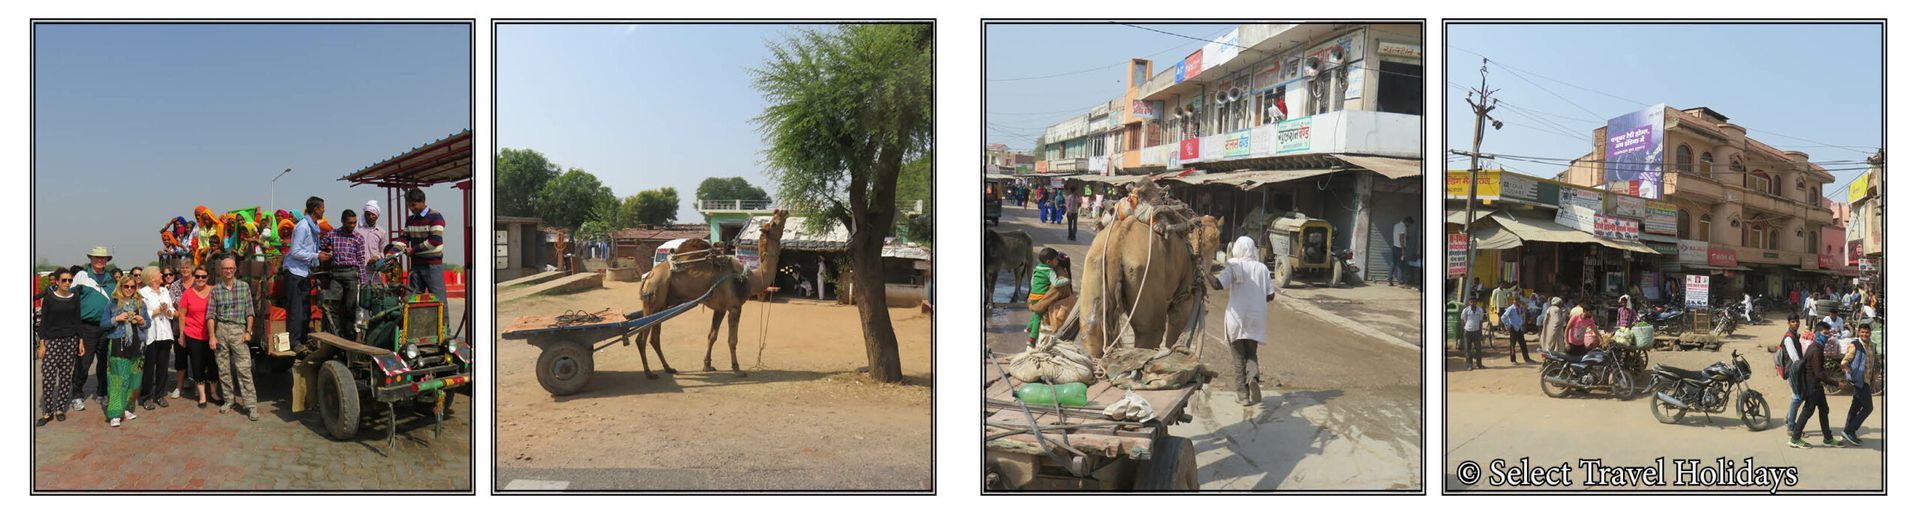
(1396, 273)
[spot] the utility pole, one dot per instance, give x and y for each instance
(1481, 108)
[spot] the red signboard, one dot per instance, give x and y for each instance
(1722, 257)
(1456, 254)
(1190, 149)
(1853, 252)
(1193, 65)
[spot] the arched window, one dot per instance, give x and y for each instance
(1705, 226)
(1684, 218)
(1759, 181)
(1706, 163)
(1776, 184)
(1683, 158)
(1773, 239)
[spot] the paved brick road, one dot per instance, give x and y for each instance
(186, 448)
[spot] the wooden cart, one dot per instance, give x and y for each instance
(566, 348)
(1079, 448)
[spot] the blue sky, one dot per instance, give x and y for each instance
(639, 106)
(136, 124)
(1794, 87)
(1022, 96)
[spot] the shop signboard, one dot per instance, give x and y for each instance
(1662, 218)
(1189, 149)
(1191, 67)
(1489, 189)
(1611, 227)
(1634, 150)
(1293, 136)
(1456, 254)
(1697, 291)
(1391, 49)
(1236, 144)
(1584, 198)
(1627, 206)
(1147, 110)
(1693, 252)
(1522, 188)
(1721, 257)
(1580, 218)
(1221, 49)
(1858, 188)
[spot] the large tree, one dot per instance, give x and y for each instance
(847, 109)
(517, 176)
(571, 198)
(729, 188)
(651, 207)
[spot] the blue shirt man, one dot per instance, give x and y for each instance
(304, 253)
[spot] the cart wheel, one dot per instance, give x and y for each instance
(1171, 468)
(564, 368)
(339, 401)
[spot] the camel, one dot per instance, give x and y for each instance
(1011, 250)
(669, 284)
(1143, 272)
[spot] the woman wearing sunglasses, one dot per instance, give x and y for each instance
(193, 333)
(59, 345)
(124, 352)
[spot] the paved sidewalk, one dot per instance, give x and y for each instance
(186, 448)
(1390, 314)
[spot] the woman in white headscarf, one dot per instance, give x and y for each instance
(1249, 286)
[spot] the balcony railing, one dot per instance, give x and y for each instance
(734, 205)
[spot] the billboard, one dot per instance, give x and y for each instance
(1616, 228)
(1691, 251)
(1457, 184)
(1634, 151)
(1858, 188)
(1148, 110)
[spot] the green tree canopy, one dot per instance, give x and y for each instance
(848, 107)
(518, 175)
(571, 198)
(650, 207)
(728, 188)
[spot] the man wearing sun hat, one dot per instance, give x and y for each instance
(92, 284)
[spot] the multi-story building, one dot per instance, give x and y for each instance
(1758, 209)
(1000, 159)
(1319, 118)
(1866, 205)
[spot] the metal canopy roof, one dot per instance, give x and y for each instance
(449, 159)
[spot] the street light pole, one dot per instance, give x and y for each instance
(273, 186)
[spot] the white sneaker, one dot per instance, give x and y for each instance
(79, 405)
(115, 422)
(130, 415)
(175, 394)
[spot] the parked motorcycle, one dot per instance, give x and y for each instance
(1562, 373)
(1725, 319)
(1677, 391)
(1666, 319)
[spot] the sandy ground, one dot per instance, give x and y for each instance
(1500, 413)
(1341, 410)
(801, 419)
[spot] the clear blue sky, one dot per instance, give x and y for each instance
(1794, 87)
(136, 124)
(639, 106)
(1093, 59)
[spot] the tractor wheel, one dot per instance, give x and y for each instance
(1171, 467)
(564, 368)
(339, 401)
(1283, 274)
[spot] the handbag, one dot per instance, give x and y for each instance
(1591, 339)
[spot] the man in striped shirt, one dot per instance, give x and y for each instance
(424, 244)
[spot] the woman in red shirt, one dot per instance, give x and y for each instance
(193, 330)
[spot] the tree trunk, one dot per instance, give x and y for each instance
(870, 296)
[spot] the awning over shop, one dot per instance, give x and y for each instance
(1391, 167)
(1459, 217)
(1251, 179)
(1509, 231)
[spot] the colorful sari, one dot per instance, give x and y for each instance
(124, 360)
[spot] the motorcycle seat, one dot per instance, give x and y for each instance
(1682, 373)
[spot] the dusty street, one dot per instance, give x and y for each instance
(801, 419)
(1500, 413)
(182, 447)
(1342, 404)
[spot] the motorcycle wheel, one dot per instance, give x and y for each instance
(1622, 384)
(1551, 389)
(1662, 412)
(1753, 411)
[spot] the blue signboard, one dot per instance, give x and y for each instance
(1634, 150)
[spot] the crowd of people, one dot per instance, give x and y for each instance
(131, 328)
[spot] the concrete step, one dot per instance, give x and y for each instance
(530, 280)
(570, 284)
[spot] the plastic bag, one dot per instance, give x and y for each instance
(1131, 408)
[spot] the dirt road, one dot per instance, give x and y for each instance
(1500, 413)
(1342, 409)
(801, 419)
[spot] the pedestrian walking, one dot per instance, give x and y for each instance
(1515, 318)
(1860, 361)
(58, 346)
(233, 320)
(1249, 287)
(1813, 397)
(95, 285)
(159, 303)
(425, 228)
(1472, 319)
(1073, 215)
(1553, 335)
(125, 354)
(195, 325)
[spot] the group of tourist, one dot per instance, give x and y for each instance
(130, 329)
